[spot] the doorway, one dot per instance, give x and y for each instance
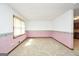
(76, 34)
(76, 28)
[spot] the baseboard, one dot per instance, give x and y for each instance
(16, 46)
(54, 39)
(63, 44)
(3, 54)
(6, 54)
(39, 37)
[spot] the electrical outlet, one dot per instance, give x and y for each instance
(19, 42)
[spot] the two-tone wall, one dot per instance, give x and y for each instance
(7, 42)
(60, 28)
(63, 29)
(63, 37)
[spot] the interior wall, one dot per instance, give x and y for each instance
(6, 18)
(39, 25)
(64, 22)
(7, 42)
(60, 28)
(63, 29)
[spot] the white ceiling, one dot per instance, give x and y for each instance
(41, 11)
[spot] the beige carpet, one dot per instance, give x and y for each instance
(43, 47)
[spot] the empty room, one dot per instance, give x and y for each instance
(39, 29)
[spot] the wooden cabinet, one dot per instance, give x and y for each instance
(76, 25)
(76, 30)
(76, 35)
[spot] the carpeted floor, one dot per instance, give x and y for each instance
(44, 47)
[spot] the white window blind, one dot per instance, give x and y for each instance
(19, 27)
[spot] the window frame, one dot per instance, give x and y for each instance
(14, 26)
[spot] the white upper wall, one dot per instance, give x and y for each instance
(6, 18)
(62, 23)
(38, 25)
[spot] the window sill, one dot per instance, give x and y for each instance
(18, 36)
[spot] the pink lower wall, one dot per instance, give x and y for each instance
(7, 43)
(39, 34)
(63, 37)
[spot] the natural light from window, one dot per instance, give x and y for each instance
(19, 26)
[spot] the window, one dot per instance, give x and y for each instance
(19, 26)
